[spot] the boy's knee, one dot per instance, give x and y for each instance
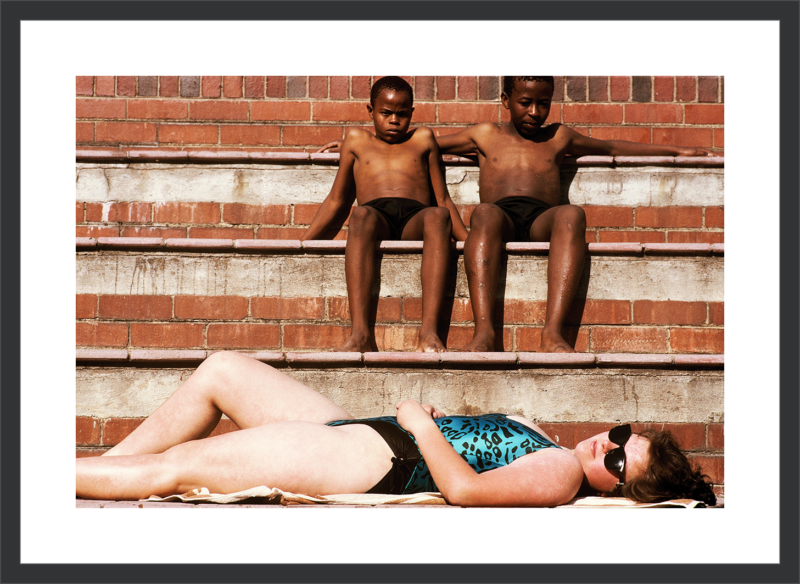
(437, 217)
(571, 217)
(362, 218)
(486, 216)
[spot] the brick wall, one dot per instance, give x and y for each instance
(301, 113)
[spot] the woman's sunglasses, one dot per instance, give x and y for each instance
(615, 459)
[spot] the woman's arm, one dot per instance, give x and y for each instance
(543, 479)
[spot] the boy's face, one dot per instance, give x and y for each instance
(529, 105)
(391, 115)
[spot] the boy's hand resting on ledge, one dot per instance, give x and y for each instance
(697, 152)
(330, 147)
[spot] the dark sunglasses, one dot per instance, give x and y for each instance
(615, 459)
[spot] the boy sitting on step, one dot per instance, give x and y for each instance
(520, 189)
(394, 175)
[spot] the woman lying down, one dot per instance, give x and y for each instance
(299, 441)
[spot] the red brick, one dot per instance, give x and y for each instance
(713, 466)
(275, 308)
(104, 86)
(304, 213)
(396, 338)
(79, 210)
(634, 134)
(669, 312)
(632, 236)
(224, 426)
(664, 88)
(168, 86)
(309, 336)
(296, 86)
(106, 212)
(470, 113)
(424, 113)
(232, 86)
(340, 111)
(686, 88)
(167, 335)
(211, 86)
(576, 88)
(593, 113)
(162, 109)
(716, 313)
(276, 86)
(218, 110)
(424, 88)
(318, 87)
(85, 306)
(281, 233)
(467, 88)
(515, 311)
(96, 231)
(101, 334)
(188, 134)
(558, 88)
(116, 430)
(620, 88)
(126, 86)
(211, 307)
(147, 86)
(126, 133)
(221, 233)
(135, 307)
(87, 431)
(598, 88)
(715, 216)
(645, 113)
(133, 212)
(707, 89)
(84, 85)
(244, 336)
(692, 340)
(599, 216)
(84, 132)
(254, 87)
(719, 138)
(285, 110)
(198, 213)
(89, 452)
(716, 436)
(689, 137)
(165, 232)
(310, 135)
(445, 88)
(689, 436)
(250, 135)
(530, 338)
(600, 312)
(242, 214)
(695, 237)
(704, 114)
(629, 340)
(669, 216)
(100, 108)
(340, 87)
(388, 309)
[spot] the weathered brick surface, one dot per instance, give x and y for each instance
(669, 312)
(87, 431)
(161, 109)
(241, 214)
(201, 213)
(276, 308)
(85, 306)
(211, 307)
(135, 307)
(669, 217)
(126, 86)
(244, 336)
(629, 340)
(694, 340)
(116, 430)
(313, 336)
(100, 108)
(188, 134)
(167, 335)
(101, 334)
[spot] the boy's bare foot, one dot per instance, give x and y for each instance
(554, 343)
(358, 344)
(430, 344)
(480, 344)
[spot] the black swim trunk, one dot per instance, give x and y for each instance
(406, 455)
(397, 211)
(522, 211)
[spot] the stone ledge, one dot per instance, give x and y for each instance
(337, 246)
(213, 155)
(446, 360)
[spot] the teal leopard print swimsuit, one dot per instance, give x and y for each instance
(484, 442)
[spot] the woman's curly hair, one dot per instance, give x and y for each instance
(670, 474)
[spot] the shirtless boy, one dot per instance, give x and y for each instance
(392, 175)
(519, 191)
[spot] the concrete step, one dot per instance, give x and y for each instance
(569, 402)
(275, 195)
(196, 294)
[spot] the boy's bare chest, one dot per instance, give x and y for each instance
(400, 158)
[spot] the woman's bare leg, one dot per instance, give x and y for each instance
(299, 457)
(249, 392)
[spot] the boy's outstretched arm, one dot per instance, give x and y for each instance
(338, 202)
(580, 145)
(436, 170)
(464, 142)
